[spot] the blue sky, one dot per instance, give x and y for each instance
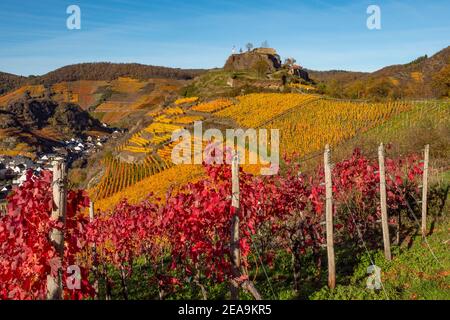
(320, 34)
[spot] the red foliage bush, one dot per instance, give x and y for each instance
(192, 227)
(26, 253)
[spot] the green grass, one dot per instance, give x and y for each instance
(420, 272)
(213, 84)
(419, 269)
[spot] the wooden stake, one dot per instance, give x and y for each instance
(54, 280)
(3, 209)
(329, 220)
(91, 211)
(425, 190)
(384, 216)
(235, 250)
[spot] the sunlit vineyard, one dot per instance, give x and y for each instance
(162, 127)
(306, 124)
(169, 111)
(165, 152)
(302, 86)
(163, 119)
(186, 100)
(139, 140)
(120, 175)
(137, 149)
(158, 184)
(154, 142)
(310, 127)
(187, 120)
(254, 109)
(213, 106)
(174, 111)
(160, 139)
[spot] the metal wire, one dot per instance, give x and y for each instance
(424, 238)
(264, 269)
(365, 247)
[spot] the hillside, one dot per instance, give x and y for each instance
(37, 125)
(306, 122)
(112, 102)
(137, 166)
(9, 82)
(425, 77)
(336, 75)
(110, 71)
(98, 71)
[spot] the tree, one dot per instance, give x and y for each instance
(240, 50)
(356, 90)
(441, 82)
(290, 61)
(335, 88)
(381, 89)
(249, 46)
(265, 44)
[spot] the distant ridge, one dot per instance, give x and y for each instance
(10, 81)
(424, 77)
(96, 71)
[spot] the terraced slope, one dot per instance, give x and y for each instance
(306, 124)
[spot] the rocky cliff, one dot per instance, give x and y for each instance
(250, 60)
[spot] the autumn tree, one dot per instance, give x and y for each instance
(290, 61)
(441, 82)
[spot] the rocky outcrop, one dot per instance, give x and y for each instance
(249, 60)
(7, 120)
(29, 113)
(32, 113)
(299, 72)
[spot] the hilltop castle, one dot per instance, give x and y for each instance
(267, 57)
(247, 60)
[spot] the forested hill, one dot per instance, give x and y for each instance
(10, 81)
(424, 77)
(96, 71)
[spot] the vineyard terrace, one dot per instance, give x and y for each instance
(252, 146)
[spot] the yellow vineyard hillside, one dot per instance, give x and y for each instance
(213, 106)
(34, 91)
(306, 124)
(310, 127)
(186, 100)
(158, 184)
(187, 119)
(254, 109)
(120, 175)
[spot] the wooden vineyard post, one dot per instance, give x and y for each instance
(3, 209)
(54, 279)
(384, 217)
(94, 252)
(235, 250)
(425, 189)
(329, 220)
